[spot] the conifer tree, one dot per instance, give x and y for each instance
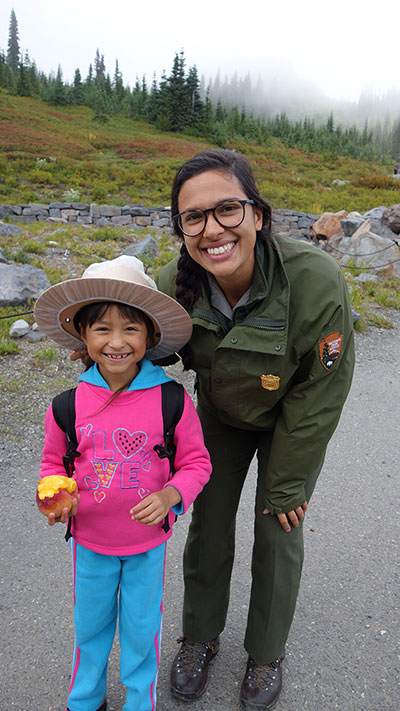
(209, 125)
(396, 141)
(34, 79)
(5, 72)
(99, 67)
(152, 102)
(23, 87)
(164, 117)
(220, 112)
(137, 108)
(178, 97)
(196, 107)
(78, 96)
(13, 53)
(57, 92)
(101, 103)
(88, 87)
(118, 89)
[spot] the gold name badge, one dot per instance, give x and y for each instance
(270, 382)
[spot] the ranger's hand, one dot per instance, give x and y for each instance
(291, 517)
(79, 353)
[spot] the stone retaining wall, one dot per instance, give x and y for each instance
(89, 214)
(297, 223)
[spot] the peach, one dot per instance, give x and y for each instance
(55, 493)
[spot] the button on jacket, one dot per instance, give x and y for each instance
(297, 327)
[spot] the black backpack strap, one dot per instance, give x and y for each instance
(63, 406)
(172, 402)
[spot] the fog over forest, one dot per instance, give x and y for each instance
(277, 104)
(282, 91)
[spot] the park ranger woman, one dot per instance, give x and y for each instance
(272, 349)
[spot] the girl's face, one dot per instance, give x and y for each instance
(227, 253)
(116, 344)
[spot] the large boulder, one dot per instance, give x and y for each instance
(329, 224)
(145, 249)
(19, 328)
(7, 230)
(18, 284)
(376, 212)
(350, 224)
(375, 226)
(391, 218)
(367, 250)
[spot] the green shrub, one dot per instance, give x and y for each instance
(45, 355)
(8, 346)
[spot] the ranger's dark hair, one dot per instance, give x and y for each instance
(190, 275)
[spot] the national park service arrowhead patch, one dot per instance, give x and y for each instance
(329, 349)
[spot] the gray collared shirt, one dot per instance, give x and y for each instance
(219, 301)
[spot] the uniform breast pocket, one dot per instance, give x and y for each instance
(261, 379)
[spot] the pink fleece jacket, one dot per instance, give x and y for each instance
(118, 465)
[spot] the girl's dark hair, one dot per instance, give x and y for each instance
(88, 315)
(190, 275)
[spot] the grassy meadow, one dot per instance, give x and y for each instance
(45, 152)
(49, 154)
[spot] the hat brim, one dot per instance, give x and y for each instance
(55, 308)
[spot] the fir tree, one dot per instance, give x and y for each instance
(13, 54)
(101, 103)
(118, 89)
(208, 125)
(23, 87)
(57, 91)
(164, 119)
(178, 96)
(5, 74)
(152, 102)
(99, 67)
(196, 107)
(78, 96)
(396, 141)
(88, 87)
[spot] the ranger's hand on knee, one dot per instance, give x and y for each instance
(291, 518)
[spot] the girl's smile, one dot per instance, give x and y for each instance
(116, 344)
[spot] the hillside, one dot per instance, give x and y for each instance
(46, 152)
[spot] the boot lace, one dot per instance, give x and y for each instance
(191, 657)
(262, 675)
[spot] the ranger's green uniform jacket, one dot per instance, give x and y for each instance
(297, 327)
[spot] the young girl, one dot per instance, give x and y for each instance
(118, 542)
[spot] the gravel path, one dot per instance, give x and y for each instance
(343, 648)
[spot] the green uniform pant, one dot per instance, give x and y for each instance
(209, 552)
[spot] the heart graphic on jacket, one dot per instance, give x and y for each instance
(90, 483)
(127, 443)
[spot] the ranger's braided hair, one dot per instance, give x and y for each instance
(190, 275)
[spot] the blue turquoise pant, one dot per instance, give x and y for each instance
(108, 587)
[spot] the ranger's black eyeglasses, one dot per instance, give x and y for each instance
(228, 213)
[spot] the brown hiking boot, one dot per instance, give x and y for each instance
(261, 685)
(189, 669)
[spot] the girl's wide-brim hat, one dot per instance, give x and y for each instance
(121, 280)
